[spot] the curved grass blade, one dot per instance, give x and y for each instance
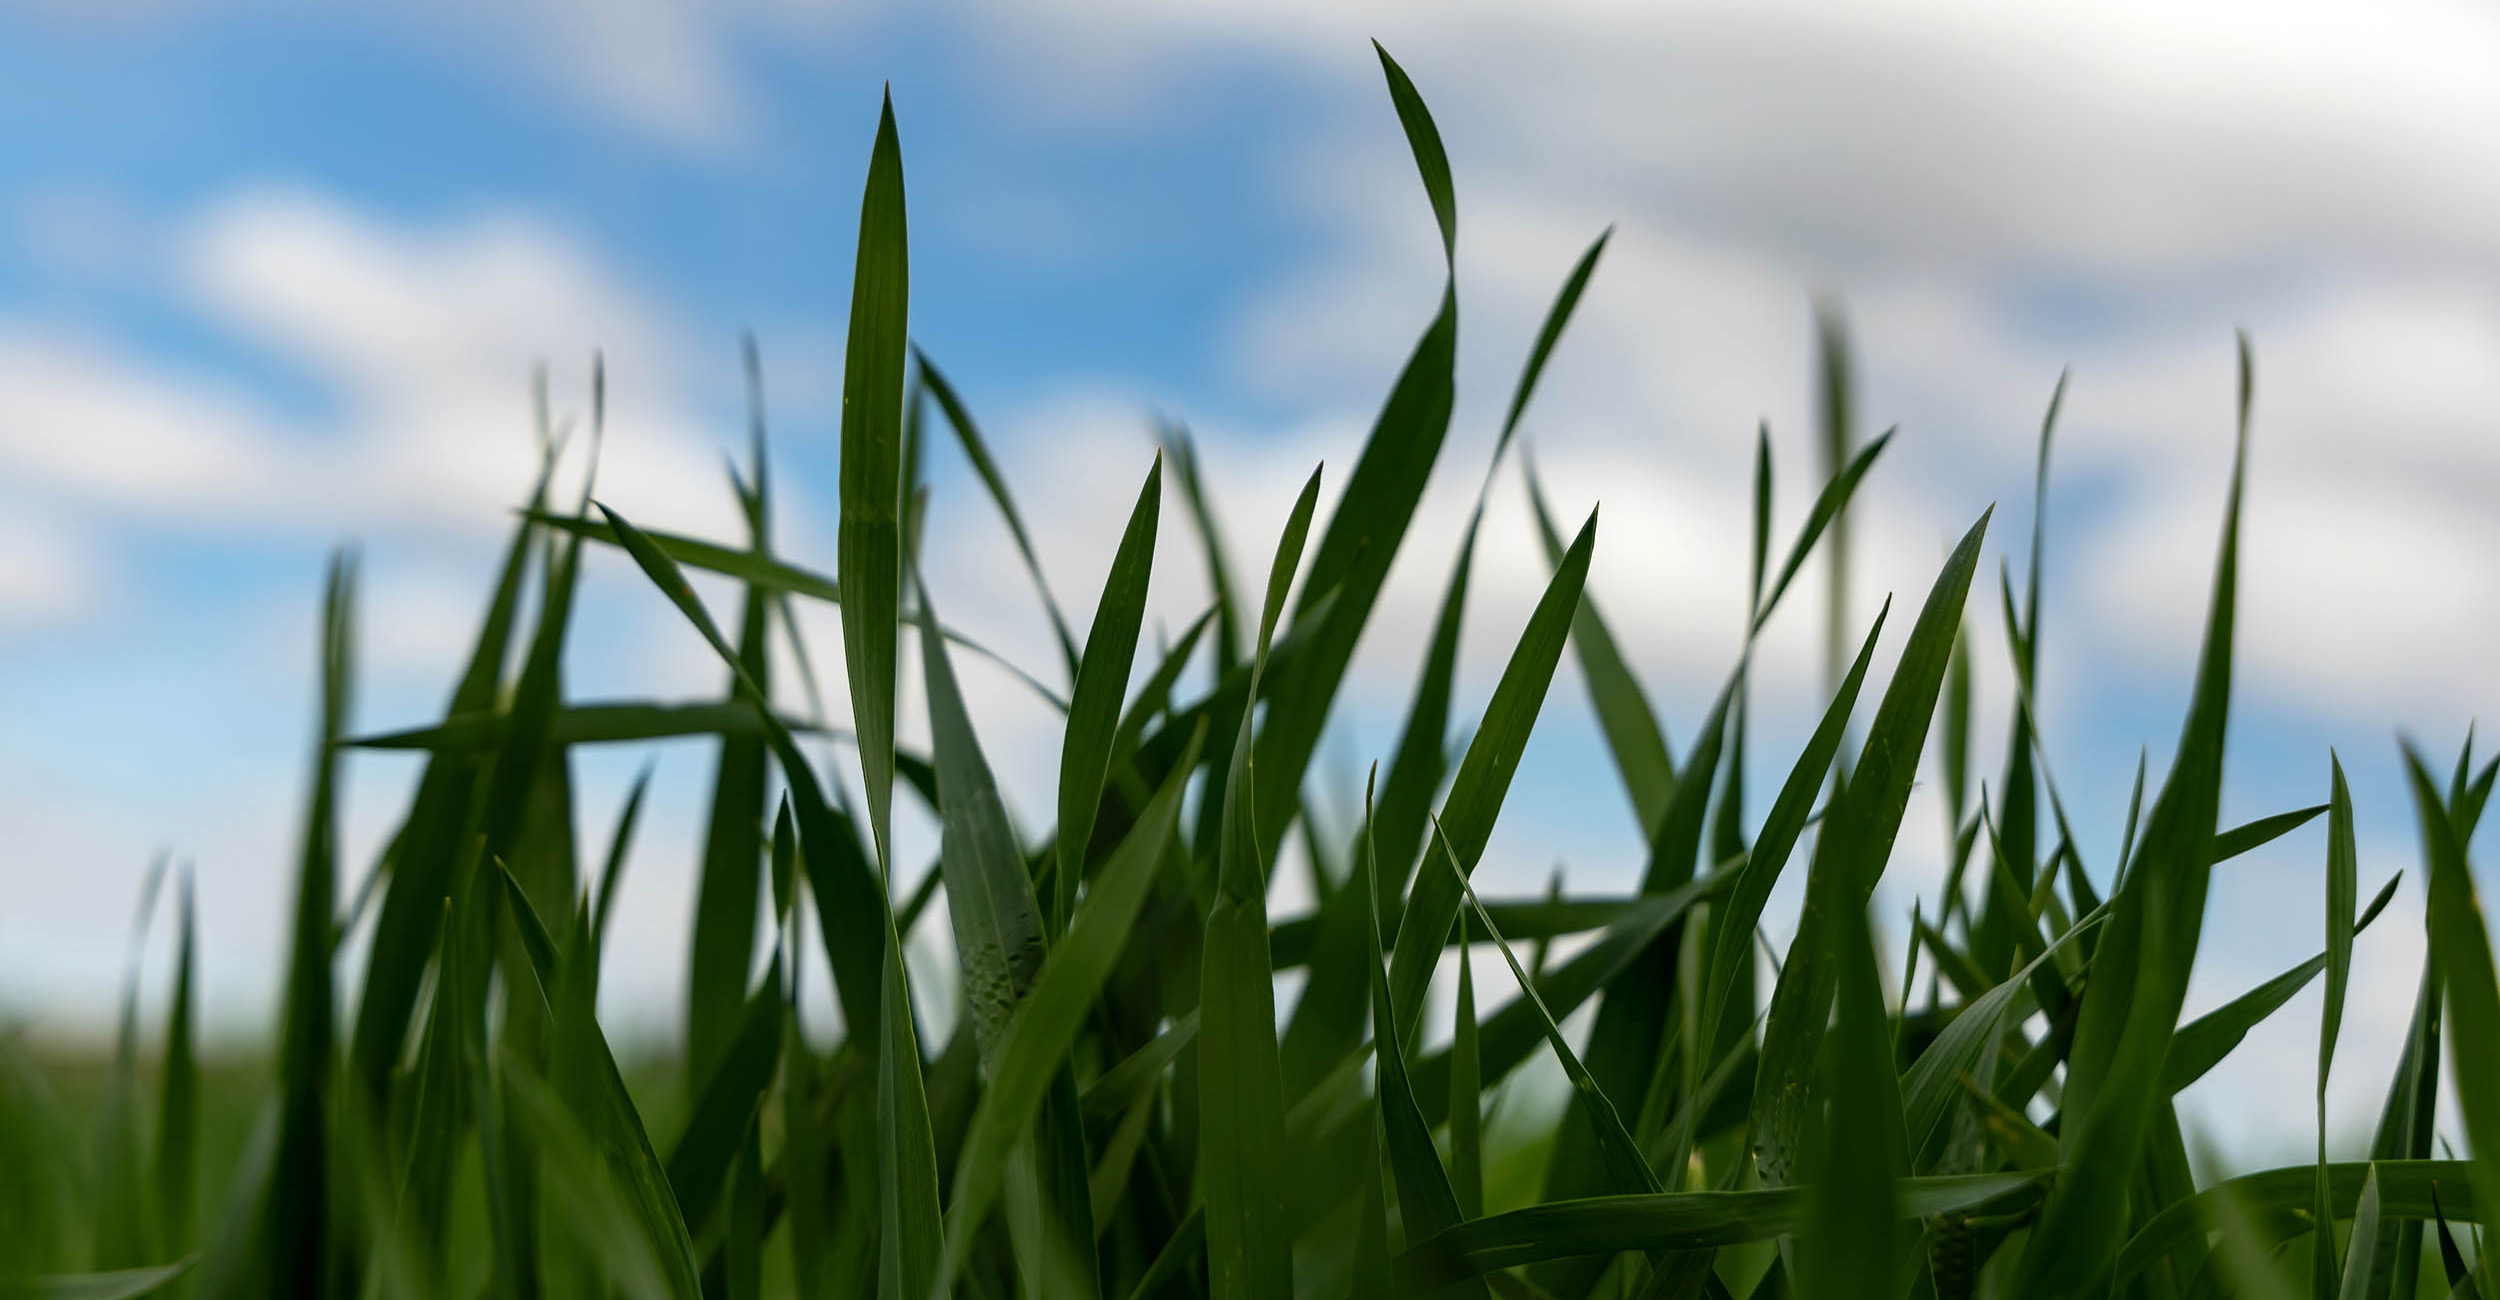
(1240, 1084)
(1355, 551)
(2279, 1201)
(1183, 453)
(1036, 1041)
(1087, 747)
(1929, 1085)
(1676, 1221)
(2201, 1043)
(2263, 831)
(870, 542)
(969, 435)
(619, 846)
(1484, 776)
(851, 902)
(1828, 506)
(1118, 1089)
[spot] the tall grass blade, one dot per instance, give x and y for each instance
(1241, 1101)
(2461, 944)
(1623, 712)
(2342, 894)
(176, 1174)
(934, 382)
(1086, 748)
(870, 543)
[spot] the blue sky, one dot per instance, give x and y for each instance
(272, 278)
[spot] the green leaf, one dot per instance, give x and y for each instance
(1849, 857)
(2263, 831)
(1425, 1199)
(989, 895)
(2279, 1200)
(978, 451)
(1624, 1163)
(1466, 1089)
(2342, 893)
(1484, 775)
(583, 1193)
(1675, 1221)
(1355, 551)
(1183, 453)
(297, 1216)
(1828, 505)
(1850, 1241)
(1086, 748)
(619, 845)
(911, 1235)
(733, 843)
(870, 541)
(2461, 945)
(1929, 1085)
(2142, 961)
(851, 903)
(122, 1213)
(1558, 315)
(1045, 1026)
(2201, 1044)
(1241, 1088)
(2361, 1263)
(729, 1102)
(176, 1176)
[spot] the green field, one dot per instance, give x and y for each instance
(1120, 1109)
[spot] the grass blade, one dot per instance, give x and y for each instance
(1240, 1083)
(1484, 775)
(176, 1176)
(870, 544)
(2462, 946)
(978, 451)
(1086, 748)
(1623, 713)
(1466, 1090)
(2342, 894)
(1038, 1037)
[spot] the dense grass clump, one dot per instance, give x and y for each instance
(1118, 1112)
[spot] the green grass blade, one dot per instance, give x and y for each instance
(1484, 775)
(989, 895)
(1466, 1090)
(1327, 1022)
(1828, 507)
(1182, 451)
(2263, 831)
(1631, 727)
(1624, 1163)
(125, 1235)
(176, 1175)
(851, 901)
(1849, 858)
(1425, 1200)
(1675, 1221)
(433, 842)
(1355, 551)
(2405, 1131)
(723, 952)
(1086, 748)
(1037, 1039)
(620, 845)
(1929, 1086)
(1851, 1243)
(583, 1196)
(2342, 894)
(2279, 1200)
(297, 1216)
(728, 1103)
(2361, 1263)
(1136, 1076)
(870, 542)
(2200, 1044)
(911, 1233)
(969, 435)
(1566, 301)
(1241, 1086)
(1732, 939)
(2144, 957)
(2461, 944)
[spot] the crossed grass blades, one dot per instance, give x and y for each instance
(1117, 1112)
